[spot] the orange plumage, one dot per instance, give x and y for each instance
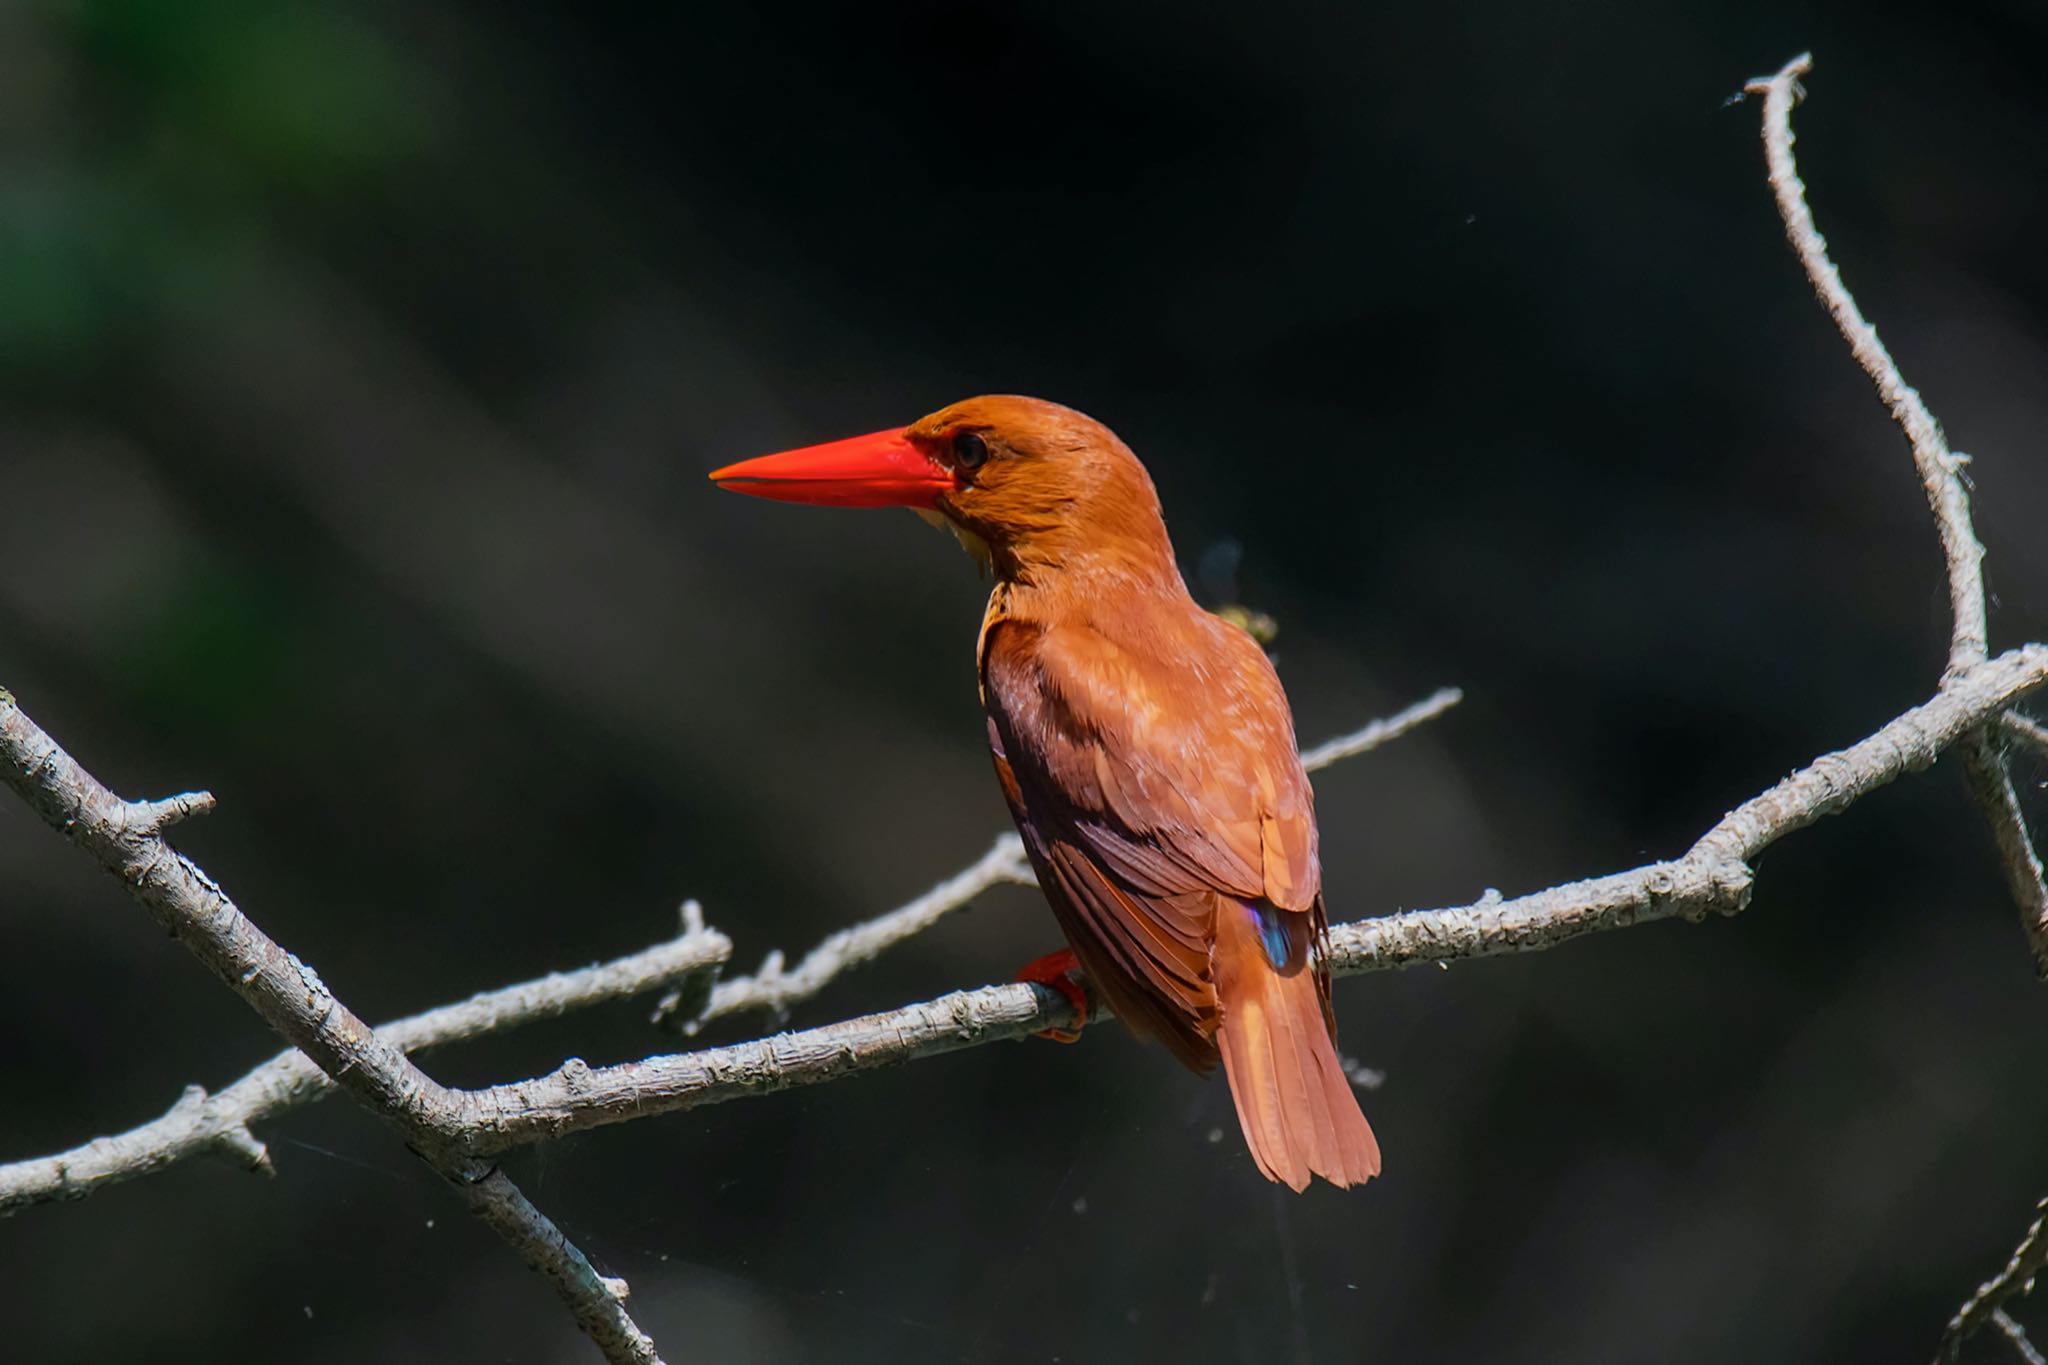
(1146, 751)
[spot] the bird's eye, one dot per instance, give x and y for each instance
(969, 450)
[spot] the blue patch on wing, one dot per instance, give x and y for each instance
(1272, 934)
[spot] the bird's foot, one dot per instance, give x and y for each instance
(1062, 972)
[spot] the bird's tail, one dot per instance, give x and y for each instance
(1294, 1101)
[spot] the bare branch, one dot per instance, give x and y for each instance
(189, 905)
(2026, 730)
(1940, 470)
(221, 1124)
(777, 990)
(1381, 731)
(2017, 1335)
(1711, 877)
(1991, 783)
(1941, 478)
(598, 1303)
(291, 998)
(2017, 1277)
(199, 1124)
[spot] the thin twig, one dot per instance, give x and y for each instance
(125, 839)
(1940, 469)
(1948, 497)
(2026, 730)
(1941, 478)
(200, 1124)
(2017, 1335)
(2018, 1276)
(156, 816)
(777, 990)
(1381, 731)
(1991, 783)
(598, 1302)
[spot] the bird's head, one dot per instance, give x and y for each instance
(1026, 484)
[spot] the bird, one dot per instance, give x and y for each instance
(1145, 748)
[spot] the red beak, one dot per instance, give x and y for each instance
(880, 470)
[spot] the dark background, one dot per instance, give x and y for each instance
(359, 366)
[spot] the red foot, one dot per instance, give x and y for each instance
(1061, 971)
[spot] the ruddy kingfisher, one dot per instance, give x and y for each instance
(1146, 751)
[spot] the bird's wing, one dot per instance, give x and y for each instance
(1149, 788)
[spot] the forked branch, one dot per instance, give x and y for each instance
(1948, 497)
